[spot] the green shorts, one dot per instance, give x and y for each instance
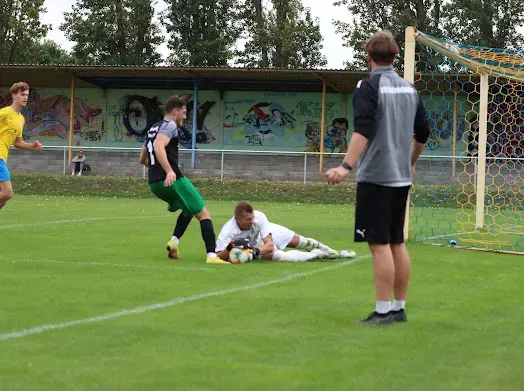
(180, 195)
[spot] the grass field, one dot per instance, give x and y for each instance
(91, 302)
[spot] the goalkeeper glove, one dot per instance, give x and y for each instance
(239, 243)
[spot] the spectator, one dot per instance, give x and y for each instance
(79, 163)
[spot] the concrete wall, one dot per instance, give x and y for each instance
(125, 163)
(253, 166)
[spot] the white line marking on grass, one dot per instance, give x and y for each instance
(125, 266)
(79, 220)
(171, 303)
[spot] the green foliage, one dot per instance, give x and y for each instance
(46, 53)
(285, 36)
(449, 196)
(213, 189)
(20, 28)
(490, 23)
(369, 16)
(203, 32)
(113, 32)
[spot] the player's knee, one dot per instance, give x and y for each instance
(203, 215)
(294, 242)
(6, 195)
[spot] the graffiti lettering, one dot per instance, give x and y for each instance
(50, 117)
(93, 135)
(203, 135)
(254, 139)
(139, 113)
(263, 118)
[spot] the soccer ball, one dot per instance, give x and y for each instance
(239, 255)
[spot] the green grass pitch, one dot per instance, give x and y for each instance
(90, 301)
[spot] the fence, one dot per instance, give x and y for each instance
(254, 165)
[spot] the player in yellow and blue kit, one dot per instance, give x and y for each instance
(11, 127)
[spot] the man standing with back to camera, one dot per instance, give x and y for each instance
(387, 113)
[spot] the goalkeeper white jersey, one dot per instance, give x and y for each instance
(257, 233)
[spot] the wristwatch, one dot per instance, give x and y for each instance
(346, 166)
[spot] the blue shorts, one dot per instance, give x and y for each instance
(4, 172)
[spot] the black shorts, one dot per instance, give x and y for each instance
(380, 213)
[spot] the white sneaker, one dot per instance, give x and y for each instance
(73, 173)
(80, 173)
(333, 254)
(347, 254)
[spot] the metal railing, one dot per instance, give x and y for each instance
(250, 153)
(184, 151)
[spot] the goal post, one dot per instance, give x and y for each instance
(468, 184)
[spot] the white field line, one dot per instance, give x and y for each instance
(166, 304)
(51, 222)
(107, 264)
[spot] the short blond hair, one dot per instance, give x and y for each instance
(382, 48)
(19, 87)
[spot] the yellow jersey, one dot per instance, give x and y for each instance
(11, 127)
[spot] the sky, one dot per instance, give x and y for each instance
(335, 53)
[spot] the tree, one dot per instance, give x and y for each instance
(256, 34)
(203, 32)
(113, 32)
(44, 53)
(19, 27)
(489, 23)
(285, 36)
(370, 16)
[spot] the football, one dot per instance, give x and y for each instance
(238, 255)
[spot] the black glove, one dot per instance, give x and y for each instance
(239, 243)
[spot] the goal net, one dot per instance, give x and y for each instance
(469, 184)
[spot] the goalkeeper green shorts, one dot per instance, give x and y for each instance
(180, 195)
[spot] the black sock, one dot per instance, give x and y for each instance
(208, 234)
(181, 225)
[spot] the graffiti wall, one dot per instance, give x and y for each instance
(242, 120)
(47, 115)
(130, 114)
(441, 117)
(289, 121)
(116, 118)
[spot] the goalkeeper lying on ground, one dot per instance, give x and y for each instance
(268, 239)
